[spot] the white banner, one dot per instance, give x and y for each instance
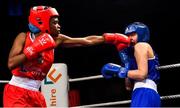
(55, 86)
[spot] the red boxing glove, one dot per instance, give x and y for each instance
(41, 43)
(116, 38)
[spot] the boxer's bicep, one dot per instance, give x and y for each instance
(18, 45)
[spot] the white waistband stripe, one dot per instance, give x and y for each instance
(147, 83)
(26, 83)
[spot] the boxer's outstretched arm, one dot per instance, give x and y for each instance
(67, 41)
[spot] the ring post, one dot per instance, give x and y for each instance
(55, 86)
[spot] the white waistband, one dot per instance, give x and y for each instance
(26, 83)
(147, 83)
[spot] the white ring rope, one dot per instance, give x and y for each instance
(4, 81)
(107, 104)
(127, 101)
(86, 78)
(170, 97)
(169, 66)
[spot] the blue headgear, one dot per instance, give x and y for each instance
(141, 29)
(33, 28)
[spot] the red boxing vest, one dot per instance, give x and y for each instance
(37, 68)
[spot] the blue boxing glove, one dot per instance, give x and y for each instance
(110, 70)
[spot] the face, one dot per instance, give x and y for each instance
(133, 37)
(54, 26)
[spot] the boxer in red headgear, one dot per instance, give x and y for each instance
(32, 55)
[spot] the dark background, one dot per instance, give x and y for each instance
(79, 18)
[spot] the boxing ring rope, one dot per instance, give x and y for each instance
(86, 78)
(169, 66)
(4, 81)
(127, 101)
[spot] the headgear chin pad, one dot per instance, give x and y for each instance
(33, 28)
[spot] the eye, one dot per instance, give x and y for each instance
(55, 21)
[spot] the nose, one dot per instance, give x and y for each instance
(59, 26)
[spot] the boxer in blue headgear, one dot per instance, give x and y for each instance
(141, 29)
(139, 63)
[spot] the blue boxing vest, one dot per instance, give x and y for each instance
(153, 63)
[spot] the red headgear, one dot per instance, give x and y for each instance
(40, 17)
